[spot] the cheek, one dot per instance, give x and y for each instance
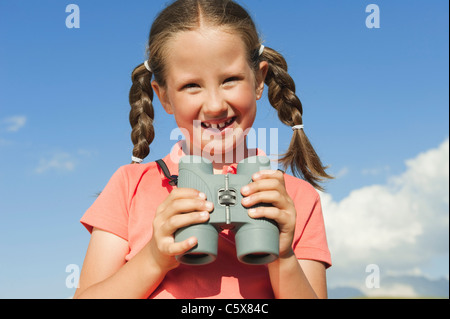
(185, 112)
(244, 100)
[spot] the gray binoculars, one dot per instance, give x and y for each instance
(257, 240)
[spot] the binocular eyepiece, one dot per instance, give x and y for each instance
(257, 240)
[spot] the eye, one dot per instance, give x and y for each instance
(232, 79)
(190, 86)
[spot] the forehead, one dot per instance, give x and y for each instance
(205, 48)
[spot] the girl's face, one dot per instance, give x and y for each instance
(211, 90)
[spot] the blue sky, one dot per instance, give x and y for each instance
(375, 107)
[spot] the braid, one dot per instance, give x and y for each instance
(300, 157)
(282, 89)
(141, 113)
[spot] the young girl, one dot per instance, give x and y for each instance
(209, 69)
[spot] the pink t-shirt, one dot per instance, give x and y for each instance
(127, 205)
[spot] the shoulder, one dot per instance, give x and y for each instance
(133, 171)
(298, 187)
(130, 176)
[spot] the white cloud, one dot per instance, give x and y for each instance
(394, 290)
(63, 161)
(14, 123)
(342, 172)
(58, 161)
(376, 171)
(399, 226)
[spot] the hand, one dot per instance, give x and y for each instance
(268, 187)
(183, 207)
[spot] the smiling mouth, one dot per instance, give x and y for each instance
(219, 126)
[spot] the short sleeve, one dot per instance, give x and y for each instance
(109, 212)
(310, 240)
(312, 243)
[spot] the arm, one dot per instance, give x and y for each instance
(106, 274)
(290, 278)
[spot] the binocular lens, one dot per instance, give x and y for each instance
(258, 258)
(195, 256)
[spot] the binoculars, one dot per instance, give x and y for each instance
(257, 240)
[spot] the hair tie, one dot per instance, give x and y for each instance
(137, 159)
(147, 66)
(261, 49)
(297, 127)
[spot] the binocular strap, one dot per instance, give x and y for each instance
(173, 179)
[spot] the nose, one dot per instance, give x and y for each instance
(215, 104)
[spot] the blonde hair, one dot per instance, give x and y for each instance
(186, 15)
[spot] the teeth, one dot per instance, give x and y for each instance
(217, 126)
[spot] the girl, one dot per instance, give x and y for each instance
(209, 69)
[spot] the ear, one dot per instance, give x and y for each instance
(162, 96)
(260, 78)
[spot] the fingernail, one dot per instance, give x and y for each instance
(245, 189)
(251, 211)
(209, 205)
(203, 215)
(246, 200)
(202, 195)
(192, 241)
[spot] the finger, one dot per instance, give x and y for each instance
(263, 185)
(265, 180)
(269, 197)
(185, 192)
(180, 206)
(179, 193)
(264, 174)
(188, 205)
(269, 212)
(182, 220)
(282, 218)
(174, 249)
